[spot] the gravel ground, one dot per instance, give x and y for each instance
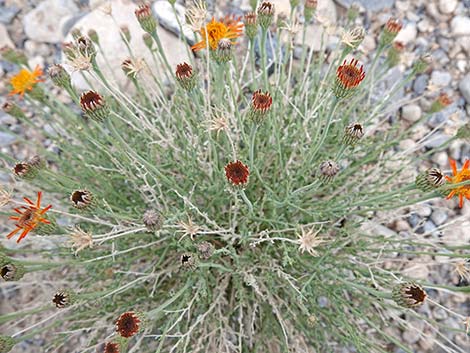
(438, 27)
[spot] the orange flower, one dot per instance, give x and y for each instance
(229, 28)
(30, 217)
(458, 177)
(25, 80)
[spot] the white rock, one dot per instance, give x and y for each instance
(411, 112)
(441, 78)
(36, 61)
(407, 34)
(114, 48)
(45, 22)
(5, 38)
(464, 87)
(447, 6)
(460, 26)
(166, 17)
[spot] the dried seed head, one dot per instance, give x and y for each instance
(251, 25)
(353, 38)
(409, 295)
(186, 76)
(308, 241)
(12, 271)
(6, 343)
(94, 105)
(390, 31)
(37, 162)
(188, 261)
(112, 347)
(59, 76)
(145, 17)
(265, 14)
(430, 179)
(132, 67)
(196, 14)
(260, 105)
(80, 240)
(86, 47)
(64, 298)
(353, 133)
(237, 173)
(82, 199)
(348, 77)
(440, 103)
(422, 64)
(153, 220)
(328, 169)
(205, 249)
(130, 323)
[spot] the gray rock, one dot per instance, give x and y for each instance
(167, 19)
(437, 119)
(8, 14)
(5, 38)
(45, 22)
(460, 26)
(6, 139)
(441, 78)
(408, 33)
(411, 112)
(323, 302)
(439, 216)
(420, 84)
(447, 6)
(436, 140)
(464, 87)
(371, 5)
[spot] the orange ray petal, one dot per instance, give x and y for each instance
(44, 210)
(9, 236)
(38, 202)
(452, 193)
(466, 164)
(24, 234)
(28, 201)
(460, 200)
(14, 218)
(453, 165)
(17, 211)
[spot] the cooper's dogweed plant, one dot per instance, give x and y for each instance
(221, 207)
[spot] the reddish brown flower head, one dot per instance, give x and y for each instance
(237, 173)
(128, 324)
(93, 105)
(250, 19)
(82, 199)
(393, 26)
(111, 347)
(398, 46)
(261, 102)
(311, 4)
(184, 71)
(143, 12)
(350, 75)
(444, 99)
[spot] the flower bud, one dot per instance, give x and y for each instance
(145, 17)
(188, 261)
(251, 25)
(82, 199)
(348, 78)
(265, 14)
(93, 35)
(352, 134)
(394, 54)
(409, 295)
(442, 102)
(64, 298)
(309, 9)
(59, 76)
(94, 106)
(422, 64)
(12, 109)
(153, 220)
(185, 76)
(125, 33)
(13, 56)
(260, 106)
(430, 179)
(390, 31)
(12, 271)
(6, 343)
(25, 170)
(148, 40)
(328, 170)
(205, 249)
(86, 47)
(223, 52)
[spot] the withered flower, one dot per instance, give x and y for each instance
(409, 295)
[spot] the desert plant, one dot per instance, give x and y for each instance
(223, 211)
